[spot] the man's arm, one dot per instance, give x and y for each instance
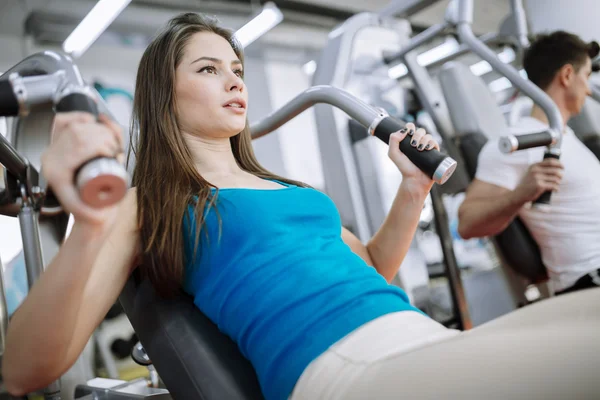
(487, 210)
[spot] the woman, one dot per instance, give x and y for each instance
(264, 257)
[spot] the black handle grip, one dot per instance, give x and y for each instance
(436, 165)
(508, 144)
(9, 105)
(544, 199)
(77, 102)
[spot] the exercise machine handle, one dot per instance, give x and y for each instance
(543, 202)
(101, 181)
(438, 166)
(511, 143)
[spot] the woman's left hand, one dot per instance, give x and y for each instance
(419, 139)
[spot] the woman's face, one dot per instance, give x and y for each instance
(211, 96)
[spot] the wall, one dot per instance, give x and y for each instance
(576, 16)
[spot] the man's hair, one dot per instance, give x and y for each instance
(548, 53)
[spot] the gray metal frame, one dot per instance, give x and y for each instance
(358, 110)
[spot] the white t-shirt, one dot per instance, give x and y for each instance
(569, 233)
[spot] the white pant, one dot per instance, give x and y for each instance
(548, 350)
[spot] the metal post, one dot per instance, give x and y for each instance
(520, 19)
(11, 159)
(465, 12)
(459, 300)
(32, 248)
(3, 312)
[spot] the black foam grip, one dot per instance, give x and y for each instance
(426, 161)
(545, 197)
(77, 102)
(9, 105)
(531, 140)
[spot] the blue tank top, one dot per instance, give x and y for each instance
(280, 281)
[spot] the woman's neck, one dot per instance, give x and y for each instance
(212, 157)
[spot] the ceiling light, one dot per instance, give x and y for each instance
(269, 17)
(92, 26)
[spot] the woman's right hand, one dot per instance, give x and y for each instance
(78, 137)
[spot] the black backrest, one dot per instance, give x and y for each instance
(477, 118)
(193, 358)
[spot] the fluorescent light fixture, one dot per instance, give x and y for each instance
(483, 67)
(310, 67)
(269, 18)
(428, 57)
(92, 26)
(397, 71)
(438, 52)
(503, 83)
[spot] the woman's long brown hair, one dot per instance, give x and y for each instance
(164, 176)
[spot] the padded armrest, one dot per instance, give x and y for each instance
(193, 358)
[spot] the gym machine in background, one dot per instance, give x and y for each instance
(358, 194)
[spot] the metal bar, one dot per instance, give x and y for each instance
(417, 41)
(32, 248)
(47, 62)
(459, 300)
(3, 312)
(404, 8)
(520, 19)
(465, 12)
(11, 159)
(357, 109)
(534, 92)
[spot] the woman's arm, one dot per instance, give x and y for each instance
(391, 242)
(388, 247)
(68, 302)
(80, 284)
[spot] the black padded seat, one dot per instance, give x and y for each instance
(194, 359)
(477, 118)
